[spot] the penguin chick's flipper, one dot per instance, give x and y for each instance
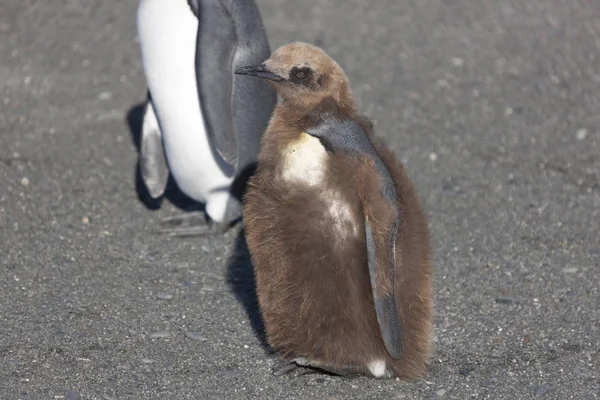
(192, 224)
(153, 163)
(385, 303)
(339, 136)
(216, 43)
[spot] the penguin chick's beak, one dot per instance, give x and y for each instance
(260, 71)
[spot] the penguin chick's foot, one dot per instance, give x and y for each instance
(302, 366)
(194, 223)
(290, 368)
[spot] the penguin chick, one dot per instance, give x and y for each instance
(339, 241)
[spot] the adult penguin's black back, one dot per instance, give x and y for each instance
(231, 34)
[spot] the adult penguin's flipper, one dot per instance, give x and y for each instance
(216, 44)
(153, 163)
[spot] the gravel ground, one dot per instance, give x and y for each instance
(492, 104)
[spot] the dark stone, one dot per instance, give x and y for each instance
(506, 300)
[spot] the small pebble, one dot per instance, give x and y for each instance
(231, 372)
(105, 96)
(441, 392)
(73, 395)
(542, 390)
(160, 335)
(164, 296)
(432, 156)
(457, 62)
(568, 318)
(85, 220)
(147, 361)
(582, 134)
(506, 300)
(195, 336)
(25, 181)
(570, 270)
(508, 111)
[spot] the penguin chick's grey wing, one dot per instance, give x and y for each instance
(153, 163)
(215, 47)
(349, 137)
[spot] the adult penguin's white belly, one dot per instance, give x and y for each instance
(167, 33)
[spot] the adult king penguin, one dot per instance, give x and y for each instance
(202, 123)
(335, 229)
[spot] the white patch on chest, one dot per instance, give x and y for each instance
(304, 161)
(341, 213)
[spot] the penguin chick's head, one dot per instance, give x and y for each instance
(304, 75)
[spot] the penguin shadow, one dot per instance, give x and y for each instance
(240, 278)
(240, 272)
(172, 193)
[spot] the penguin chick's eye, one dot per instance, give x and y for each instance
(300, 75)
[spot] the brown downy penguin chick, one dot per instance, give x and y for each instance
(338, 239)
